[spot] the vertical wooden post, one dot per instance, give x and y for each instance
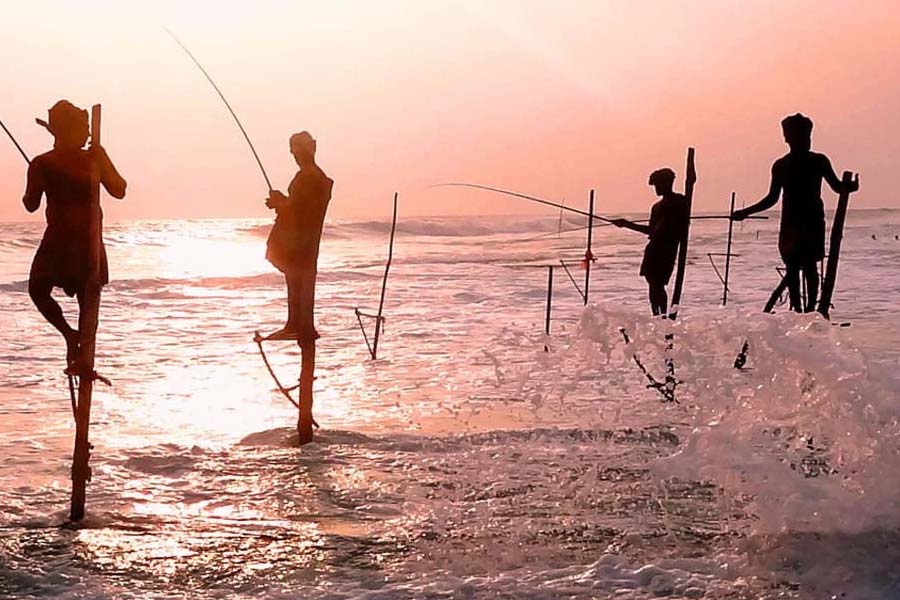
(88, 318)
(690, 180)
(305, 420)
(728, 251)
(834, 248)
(387, 267)
(588, 255)
(549, 304)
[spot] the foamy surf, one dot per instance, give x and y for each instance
(467, 462)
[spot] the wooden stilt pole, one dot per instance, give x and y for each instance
(88, 318)
(728, 251)
(834, 249)
(588, 255)
(305, 421)
(690, 180)
(379, 320)
(549, 304)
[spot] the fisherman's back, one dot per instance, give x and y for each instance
(71, 250)
(801, 177)
(668, 218)
(802, 230)
(70, 180)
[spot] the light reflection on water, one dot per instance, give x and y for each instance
(466, 462)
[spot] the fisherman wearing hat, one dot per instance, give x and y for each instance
(801, 238)
(293, 244)
(668, 221)
(71, 254)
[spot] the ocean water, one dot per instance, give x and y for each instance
(466, 462)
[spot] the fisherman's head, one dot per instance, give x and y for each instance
(303, 147)
(68, 124)
(797, 132)
(662, 180)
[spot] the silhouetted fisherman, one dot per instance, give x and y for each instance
(293, 245)
(668, 220)
(801, 238)
(71, 255)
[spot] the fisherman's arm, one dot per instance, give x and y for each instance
(34, 188)
(766, 203)
(114, 183)
(836, 184)
(626, 224)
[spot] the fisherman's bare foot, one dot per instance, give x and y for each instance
(284, 334)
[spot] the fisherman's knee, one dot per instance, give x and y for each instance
(39, 291)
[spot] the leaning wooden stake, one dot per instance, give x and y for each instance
(690, 180)
(834, 248)
(549, 305)
(728, 251)
(89, 315)
(588, 255)
(379, 320)
(379, 316)
(776, 294)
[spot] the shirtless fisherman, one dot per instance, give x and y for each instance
(801, 238)
(71, 255)
(668, 220)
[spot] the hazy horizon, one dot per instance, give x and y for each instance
(545, 98)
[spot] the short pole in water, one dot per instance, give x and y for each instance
(588, 255)
(549, 305)
(728, 250)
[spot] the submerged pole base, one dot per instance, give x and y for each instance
(81, 474)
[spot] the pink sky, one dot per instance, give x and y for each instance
(545, 97)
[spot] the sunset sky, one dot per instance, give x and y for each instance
(545, 97)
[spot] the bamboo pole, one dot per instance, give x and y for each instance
(728, 251)
(834, 248)
(88, 318)
(379, 320)
(690, 180)
(588, 255)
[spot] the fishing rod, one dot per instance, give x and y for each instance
(527, 197)
(583, 227)
(18, 147)
(227, 105)
(583, 213)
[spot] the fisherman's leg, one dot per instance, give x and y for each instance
(662, 299)
(292, 298)
(41, 292)
(658, 297)
(811, 274)
(306, 306)
(792, 275)
(88, 312)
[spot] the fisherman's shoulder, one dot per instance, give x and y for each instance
(781, 163)
(42, 160)
(819, 159)
(321, 174)
(675, 200)
(325, 181)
